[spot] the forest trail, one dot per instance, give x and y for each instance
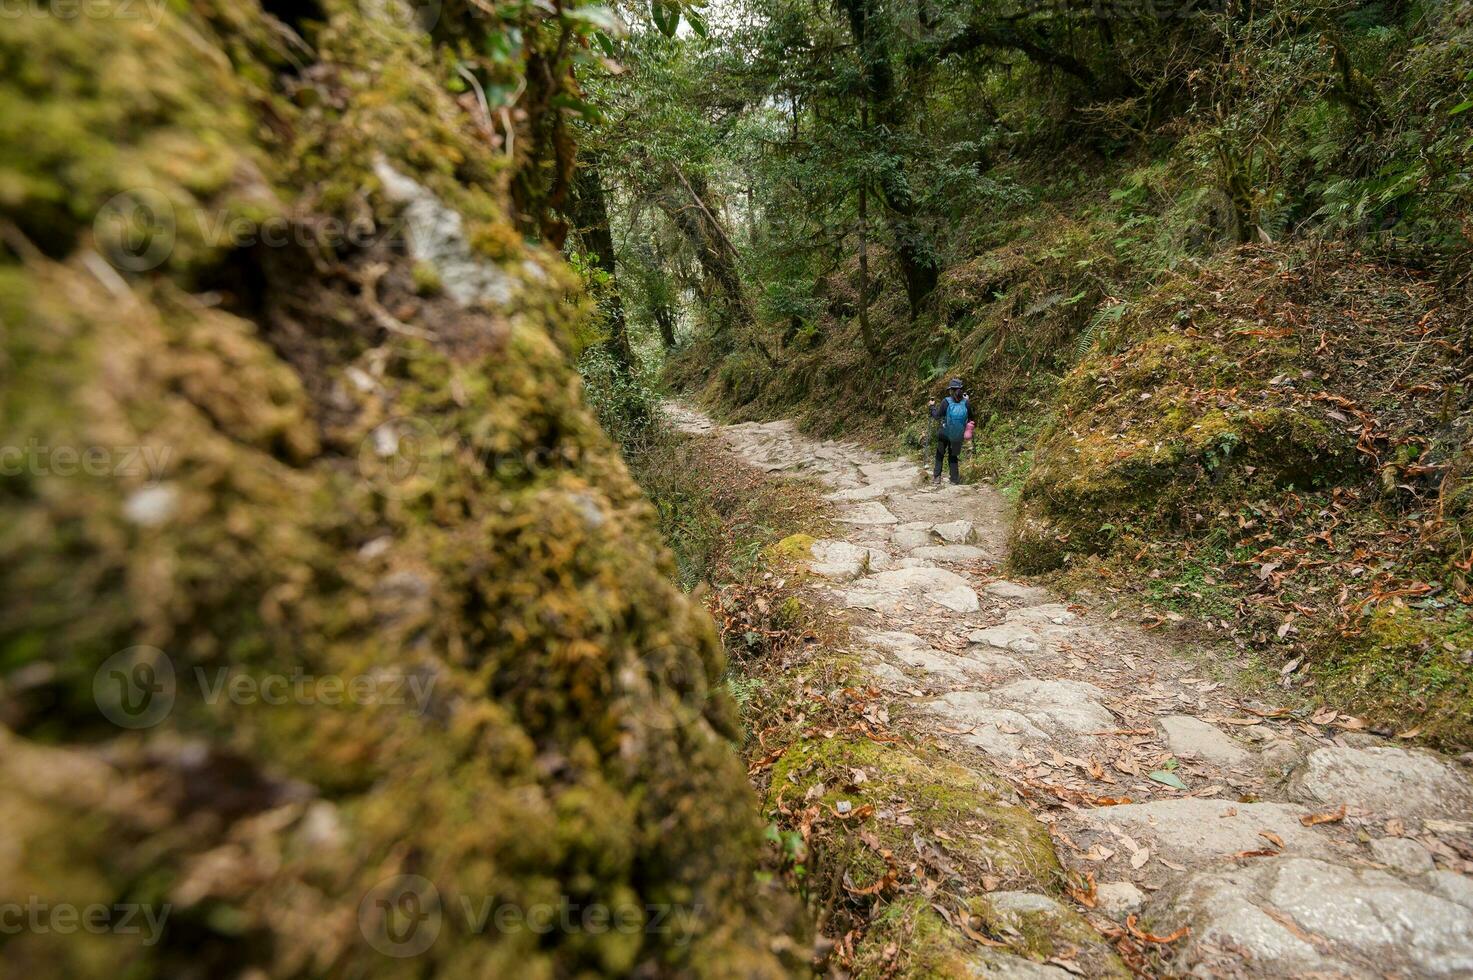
(1289, 846)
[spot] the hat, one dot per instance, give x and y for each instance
(955, 383)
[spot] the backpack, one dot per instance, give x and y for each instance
(954, 425)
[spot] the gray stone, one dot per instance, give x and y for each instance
(1191, 830)
(991, 663)
(854, 494)
(1021, 593)
(892, 470)
(950, 552)
(888, 590)
(1453, 887)
(1402, 854)
(1119, 898)
(955, 532)
(1018, 639)
(844, 561)
(1383, 780)
(1325, 919)
(998, 732)
(1057, 706)
(1279, 755)
(1022, 903)
(1054, 612)
(908, 538)
(1188, 736)
(885, 675)
(869, 512)
(917, 654)
(152, 506)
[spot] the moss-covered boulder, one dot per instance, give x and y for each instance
(334, 635)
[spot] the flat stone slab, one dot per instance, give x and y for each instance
(888, 590)
(869, 512)
(1296, 916)
(998, 732)
(1054, 613)
(955, 532)
(1384, 780)
(916, 653)
(1017, 639)
(893, 470)
(1188, 736)
(911, 536)
(950, 553)
(853, 494)
(844, 562)
(1019, 593)
(1190, 830)
(1057, 706)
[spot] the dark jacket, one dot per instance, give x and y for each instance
(938, 412)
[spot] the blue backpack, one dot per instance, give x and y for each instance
(955, 425)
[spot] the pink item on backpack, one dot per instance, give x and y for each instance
(971, 427)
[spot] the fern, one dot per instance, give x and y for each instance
(1090, 335)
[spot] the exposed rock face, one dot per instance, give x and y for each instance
(357, 627)
(1386, 780)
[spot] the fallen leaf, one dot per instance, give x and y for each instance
(1137, 932)
(1311, 819)
(1395, 827)
(1272, 838)
(1167, 779)
(1139, 858)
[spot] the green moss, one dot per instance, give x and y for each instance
(565, 745)
(794, 546)
(989, 829)
(1407, 669)
(427, 280)
(907, 938)
(1039, 929)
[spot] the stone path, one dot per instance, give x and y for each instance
(1295, 848)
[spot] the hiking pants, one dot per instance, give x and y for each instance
(951, 451)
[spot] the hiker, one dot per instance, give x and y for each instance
(953, 413)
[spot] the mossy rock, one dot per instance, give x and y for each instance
(795, 547)
(539, 724)
(1038, 927)
(1407, 668)
(913, 793)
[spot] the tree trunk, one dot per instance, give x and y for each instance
(718, 257)
(665, 321)
(590, 214)
(912, 250)
(864, 327)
